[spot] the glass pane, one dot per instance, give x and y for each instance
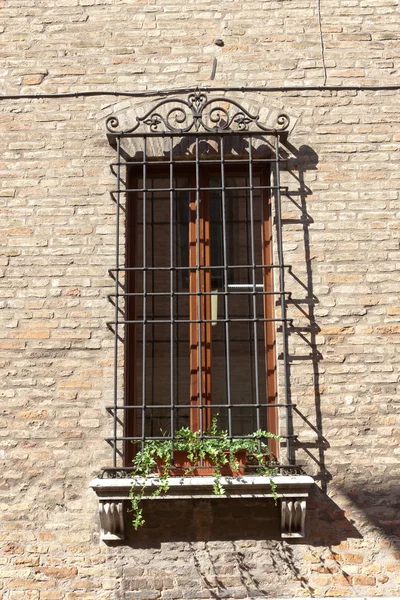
(237, 356)
(238, 348)
(165, 361)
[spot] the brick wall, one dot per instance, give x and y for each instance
(57, 233)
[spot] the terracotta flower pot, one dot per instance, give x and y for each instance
(183, 466)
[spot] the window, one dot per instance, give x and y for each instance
(199, 293)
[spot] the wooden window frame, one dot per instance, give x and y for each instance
(200, 305)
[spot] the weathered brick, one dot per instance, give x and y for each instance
(57, 572)
(340, 237)
(364, 580)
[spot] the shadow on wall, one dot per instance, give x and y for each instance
(236, 519)
(378, 504)
(304, 328)
(236, 544)
(373, 502)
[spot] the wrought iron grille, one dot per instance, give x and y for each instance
(200, 320)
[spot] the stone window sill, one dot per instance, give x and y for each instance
(292, 491)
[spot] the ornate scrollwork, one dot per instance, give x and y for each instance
(197, 113)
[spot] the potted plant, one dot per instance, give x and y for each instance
(214, 454)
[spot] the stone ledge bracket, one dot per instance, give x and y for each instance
(292, 491)
(111, 521)
(293, 518)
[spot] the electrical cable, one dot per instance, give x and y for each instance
(171, 91)
(321, 38)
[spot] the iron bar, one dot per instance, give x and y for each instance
(215, 405)
(247, 266)
(226, 300)
(213, 293)
(230, 320)
(172, 438)
(205, 161)
(116, 332)
(200, 188)
(126, 471)
(171, 283)
(253, 275)
(193, 134)
(199, 307)
(144, 321)
(289, 420)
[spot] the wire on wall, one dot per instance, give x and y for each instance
(321, 37)
(187, 90)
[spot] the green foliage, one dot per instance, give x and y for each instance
(215, 444)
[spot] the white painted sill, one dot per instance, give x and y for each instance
(292, 491)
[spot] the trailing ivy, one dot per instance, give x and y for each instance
(215, 445)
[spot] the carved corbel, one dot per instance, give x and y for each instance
(112, 520)
(293, 516)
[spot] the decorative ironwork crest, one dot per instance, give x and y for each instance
(199, 114)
